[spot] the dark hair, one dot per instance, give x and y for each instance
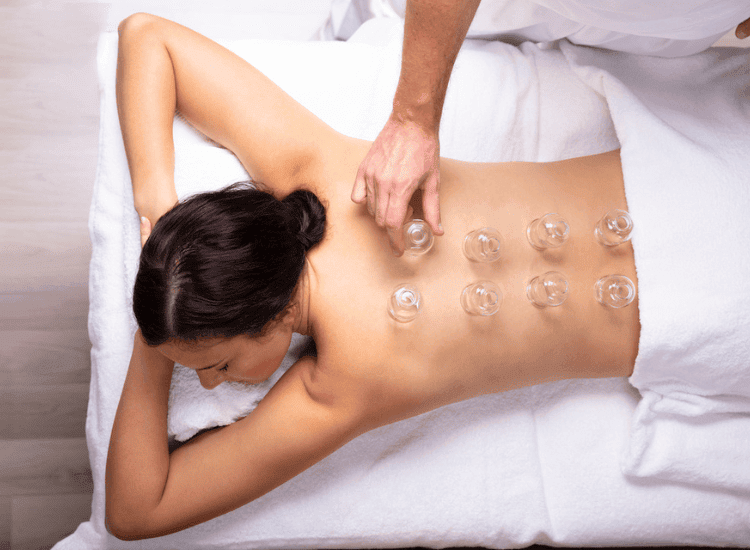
(224, 263)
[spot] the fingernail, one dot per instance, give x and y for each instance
(741, 34)
(144, 220)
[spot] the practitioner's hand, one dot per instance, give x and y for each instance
(743, 29)
(402, 159)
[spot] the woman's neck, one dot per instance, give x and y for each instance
(303, 323)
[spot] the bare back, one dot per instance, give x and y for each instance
(446, 355)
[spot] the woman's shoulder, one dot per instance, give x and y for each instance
(330, 172)
(366, 378)
(322, 385)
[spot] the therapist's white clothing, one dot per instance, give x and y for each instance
(666, 28)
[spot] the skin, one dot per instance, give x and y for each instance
(370, 370)
(240, 359)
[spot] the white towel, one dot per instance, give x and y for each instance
(684, 126)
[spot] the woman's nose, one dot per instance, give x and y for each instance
(210, 379)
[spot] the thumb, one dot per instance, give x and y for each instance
(145, 229)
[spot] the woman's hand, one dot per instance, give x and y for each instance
(145, 230)
(152, 208)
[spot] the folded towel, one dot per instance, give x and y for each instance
(193, 408)
(683, 125)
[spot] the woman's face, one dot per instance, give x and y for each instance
(245, 359)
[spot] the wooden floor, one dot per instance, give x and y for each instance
(48, 149)
(49, 116)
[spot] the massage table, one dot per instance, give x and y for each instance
(659, 459)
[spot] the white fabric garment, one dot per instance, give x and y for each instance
(666, 28)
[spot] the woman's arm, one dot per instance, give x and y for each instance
(138, 457)
(163, 67)
(146, 100)
(152, 493)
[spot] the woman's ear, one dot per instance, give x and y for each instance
(284, 320)
(288, 317)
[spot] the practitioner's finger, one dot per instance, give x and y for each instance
(743, 29)
(359, 190)
(382, 201)
(431, 203)
(396, 238)
(396, 216)
(371, 195)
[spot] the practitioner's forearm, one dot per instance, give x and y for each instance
(138, 458)
(146, 102)
(433, 33)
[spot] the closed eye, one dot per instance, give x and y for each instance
(224, 368)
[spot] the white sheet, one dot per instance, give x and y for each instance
(535, 465)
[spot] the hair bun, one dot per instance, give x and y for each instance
(308, 217)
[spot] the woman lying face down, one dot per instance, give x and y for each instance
(226, 277)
